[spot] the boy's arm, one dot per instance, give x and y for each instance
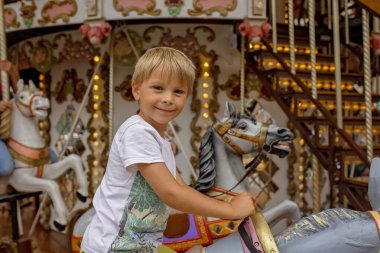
(186, 199)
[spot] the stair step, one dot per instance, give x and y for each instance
(299, 56)
(348, 151)
(357, 181)
(330, 95)
(322, 75)
(352, 120)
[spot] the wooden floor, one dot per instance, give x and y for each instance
(42, 241)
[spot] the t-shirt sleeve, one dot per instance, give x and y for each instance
(139, 144)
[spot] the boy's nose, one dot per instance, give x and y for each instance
(168, 97)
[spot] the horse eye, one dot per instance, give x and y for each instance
(242, 126)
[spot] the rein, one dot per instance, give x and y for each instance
(223, 129)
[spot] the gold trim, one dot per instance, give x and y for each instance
(31, 161)
(149, 9)
(264, 233)
(223, 10)
(376, 218)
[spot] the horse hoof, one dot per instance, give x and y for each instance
(59, 226)
(81, 197)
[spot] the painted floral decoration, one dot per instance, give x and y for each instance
(254, 32)
(95, 33)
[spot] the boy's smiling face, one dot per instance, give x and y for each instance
(161, 98)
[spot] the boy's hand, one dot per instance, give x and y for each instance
(5, 105)
(243, 205)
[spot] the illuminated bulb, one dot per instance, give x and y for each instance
(205, 85)
(96, 97)
(279, 48)
(206, 64)
(302, 142)
(278, 65)
(270, 64)
(96, 173)
(95, 134)
(96, 77)
(206, 74)
(96, 87)
(96, 106)
(96, 143)
(41, 77)
(326, 68)
(96, 58)
(205, 95)
(250, 46)
(42, 85)
(332, 68)
(205, 115)
(95, 115)
(307, 51)
(318, 67)
(256, 47)
(205, 105)
(95, 163)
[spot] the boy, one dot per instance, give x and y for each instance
(133, 201)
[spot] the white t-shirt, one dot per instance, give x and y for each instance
(129, 216)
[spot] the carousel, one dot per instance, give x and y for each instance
(298, 80)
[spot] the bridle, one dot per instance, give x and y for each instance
(27, 106)
(225, 128)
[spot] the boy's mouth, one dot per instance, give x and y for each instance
(165, 110)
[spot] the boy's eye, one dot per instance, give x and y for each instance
(179, 91)
(159, 88)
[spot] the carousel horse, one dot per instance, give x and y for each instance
(221, 166)
(338, 229)
(31, 159)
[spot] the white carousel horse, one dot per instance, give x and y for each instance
(29, 151)
(221, 165)
(339, 229)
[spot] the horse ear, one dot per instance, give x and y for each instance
(32, 86)
(250, 106)
(374, 184)
(20, 84)
(230, 111)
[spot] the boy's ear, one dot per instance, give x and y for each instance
(135, 91)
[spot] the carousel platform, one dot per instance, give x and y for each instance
(41, 241)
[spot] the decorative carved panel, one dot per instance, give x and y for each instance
(27, 12)
(209, 6)
(55, 10)
(70, 84)
(139, 6)
(123, 51)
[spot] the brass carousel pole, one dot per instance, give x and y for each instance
(6, 115)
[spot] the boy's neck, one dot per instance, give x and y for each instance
(159, 129)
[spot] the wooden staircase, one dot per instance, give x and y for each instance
(336, 147)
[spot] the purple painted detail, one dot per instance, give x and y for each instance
(248, 226)
(192, 233)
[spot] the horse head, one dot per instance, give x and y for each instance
(30, 102)
(240, 135)
(246, 135)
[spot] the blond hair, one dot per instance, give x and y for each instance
(169, 61)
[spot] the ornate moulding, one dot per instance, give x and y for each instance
(139, 6)
(54, 10)
(209, 6)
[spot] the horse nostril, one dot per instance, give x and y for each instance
(281, 130)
